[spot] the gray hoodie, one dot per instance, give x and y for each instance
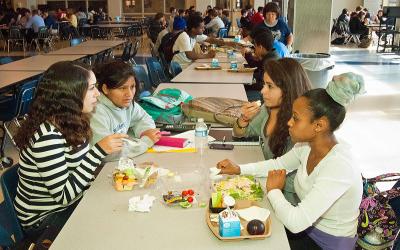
(109, 119)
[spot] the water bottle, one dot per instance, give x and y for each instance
(234, 65)
(374, 237)
(124, 161)
(201, 136)
(214, 63)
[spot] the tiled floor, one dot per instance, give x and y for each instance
(372, 125)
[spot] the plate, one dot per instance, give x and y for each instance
(242, 70)
(208, 68)
(243, 233)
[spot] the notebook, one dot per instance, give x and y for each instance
(220, 133)
(172, 142)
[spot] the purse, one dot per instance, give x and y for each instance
(377, 220)
(214, 109)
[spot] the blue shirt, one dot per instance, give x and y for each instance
(35, 22)
(281, 49)
(280, 30)
(50, 22)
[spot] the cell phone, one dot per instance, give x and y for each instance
(221, 146)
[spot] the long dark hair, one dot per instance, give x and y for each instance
(59, 100)
(291, 78)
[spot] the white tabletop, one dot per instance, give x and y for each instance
(191, 75)
(223, 58)
(102, 219)
(37, 63)
(79, 50)
(9, 78)
(101, 43)
(235, 91)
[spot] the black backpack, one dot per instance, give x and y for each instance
(167, 43)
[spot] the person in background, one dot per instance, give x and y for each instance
(328, 181)
(207, 18)
(57, 164)
(263, 52)
(102, 15)
(173, 14)
(81, 14)
(34, 22)
(367, 14)
(257, 17)
(278, 27)
(358, 25)
(225, 17)
(279, 47)
(344, 17)
(206, 12)
(158, 24)
(49, 20)
(359, 8)
(71, 18)
(163, 33)
(117, 112)
(245, 23)
(23, 17)
(215, 24)
(91, 15)
(181, 13)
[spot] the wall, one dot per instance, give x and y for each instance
(339, 5)
(114, 8)
(312, 25)
(201, 5)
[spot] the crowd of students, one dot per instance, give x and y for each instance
(66, 138)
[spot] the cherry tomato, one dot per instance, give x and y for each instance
(184, 193)
(190, 192)
(190, 199)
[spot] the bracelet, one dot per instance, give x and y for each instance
(237, 123)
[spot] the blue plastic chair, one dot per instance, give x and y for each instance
(76, 41)
(5, 60)
(9, 183)
(174, 68)
(126, 54)
(156, 71)
(223, 33)
(228, 26)
(143, 83)
(14, 107)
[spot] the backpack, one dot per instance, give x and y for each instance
(165, 106)
(167, 43)
(376, 215)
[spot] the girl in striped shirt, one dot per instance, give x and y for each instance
(56, 162)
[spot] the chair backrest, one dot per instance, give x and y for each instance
(15, 33)
(126, 54)
(82, 22)
(238, 23)
(9, 184)
(129, 32)
(228, 26)
(75, 41)
(26, 93)
(135, 49)
(156, 71)
(96, 33)
(5, 60)
(43, 33)
(143, 81)
(223, 32)
(175, 68)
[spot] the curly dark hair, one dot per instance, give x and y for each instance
(293, 81)
(59, 100)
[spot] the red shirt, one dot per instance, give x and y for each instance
(257, 18)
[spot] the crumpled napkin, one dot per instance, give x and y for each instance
(214, 174)
(141, 205)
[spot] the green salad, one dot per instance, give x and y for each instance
(241, 188)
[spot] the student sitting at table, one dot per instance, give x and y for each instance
(215, 24)
(283, 81)
(327, 183)
(263, 52)
(56, 162)
(117, 112)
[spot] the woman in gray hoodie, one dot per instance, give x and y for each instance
(117, 112)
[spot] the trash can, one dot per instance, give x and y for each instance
(316, 67)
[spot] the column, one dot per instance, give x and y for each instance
(114, 8)
(311, 27)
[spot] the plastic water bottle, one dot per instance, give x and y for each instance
(234, 65)
(124, 161)
(201, 136)
(214, 63)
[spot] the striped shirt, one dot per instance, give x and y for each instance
(52, 175)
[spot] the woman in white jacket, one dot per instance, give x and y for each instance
(327, 182)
